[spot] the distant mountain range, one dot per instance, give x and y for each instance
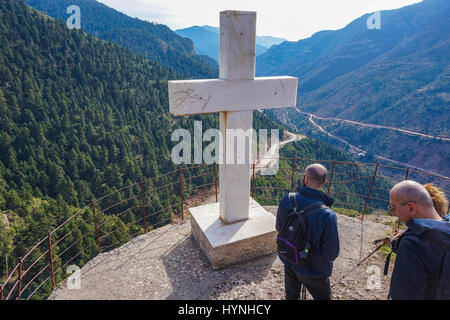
(155, 41)
(397, 76)
(206, 40)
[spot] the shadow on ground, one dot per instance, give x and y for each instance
(192, 276)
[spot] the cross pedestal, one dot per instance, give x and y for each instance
(236, 228)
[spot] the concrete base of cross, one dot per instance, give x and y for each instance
(228, 244)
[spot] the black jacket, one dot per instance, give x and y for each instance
(422, 266)
(322, 232)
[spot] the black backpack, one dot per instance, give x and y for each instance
(439, 284)
(442, 284)
(292, 244)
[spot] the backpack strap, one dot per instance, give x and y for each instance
(309, 210)
(439, 276)
(305, 211)
(394, 249)
(292, 201)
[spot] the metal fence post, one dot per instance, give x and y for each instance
(215, 179)
(253, 180)
(180, 172)
(96, 227)
(143, 205)
(365, 209)
(370, 190)
(19, 287)
(331, 177)
(50, 255)
(292, 173)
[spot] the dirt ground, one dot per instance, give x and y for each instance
(168, 264)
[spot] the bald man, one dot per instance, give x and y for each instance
(322, 237)
(422, 266)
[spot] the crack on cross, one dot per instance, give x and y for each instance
(181, 96)
(284, 89)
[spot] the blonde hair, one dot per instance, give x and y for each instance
(440, 203)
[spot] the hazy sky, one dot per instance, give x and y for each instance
(289, 19)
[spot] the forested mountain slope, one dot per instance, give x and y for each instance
(156, 41)
(80, 118)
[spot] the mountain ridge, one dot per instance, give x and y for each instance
(317, 75)
(206, 40)
(155, 41)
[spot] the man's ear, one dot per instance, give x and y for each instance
(412, 207)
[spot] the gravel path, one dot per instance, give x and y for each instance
(167, 264)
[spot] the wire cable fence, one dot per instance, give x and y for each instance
(359, 189)
(102, 225)
(116, 218)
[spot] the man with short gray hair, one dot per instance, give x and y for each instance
(321, 236)
(422, 266)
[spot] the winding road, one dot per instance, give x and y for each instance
(358, 150)
(377, 126)
(272, 155)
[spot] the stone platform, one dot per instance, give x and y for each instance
(228, 244)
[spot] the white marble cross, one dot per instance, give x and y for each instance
(235, 95)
